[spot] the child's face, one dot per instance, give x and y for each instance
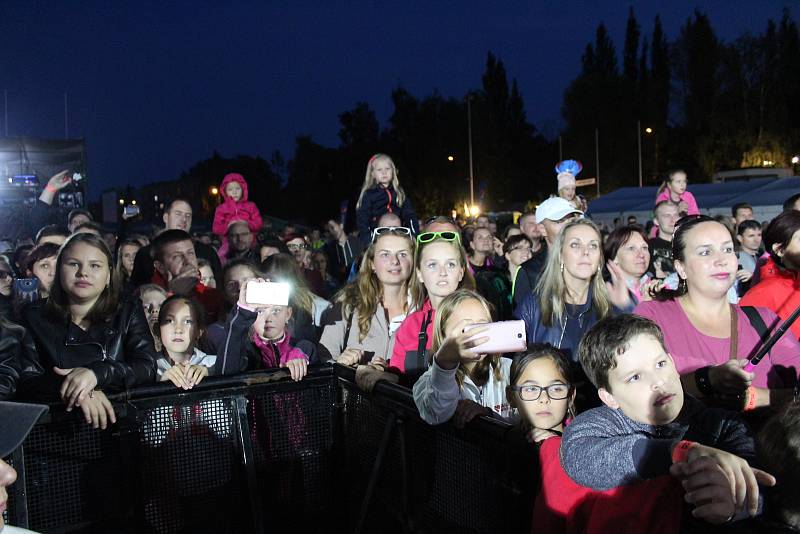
(567, 193)
(207, 276)
(234, 191)
(440, 268)
(151, 302)
(468, 312)
(645, 384)
(678, 183)
(272, 321)
(178, 330)
(382, 171)
(545, 413)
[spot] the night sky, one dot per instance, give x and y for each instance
(154, 88)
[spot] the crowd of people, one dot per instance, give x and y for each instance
(635, 389)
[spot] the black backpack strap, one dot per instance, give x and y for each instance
(423, 341)
(757, 322)
(347, 329)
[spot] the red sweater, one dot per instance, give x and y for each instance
(778, 290)
(562, 506)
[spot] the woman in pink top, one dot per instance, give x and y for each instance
(674, 189)
(700, 325)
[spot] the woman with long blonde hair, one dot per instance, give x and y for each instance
(382, 193)
(571, 295)
(460, 382)
(368, 311)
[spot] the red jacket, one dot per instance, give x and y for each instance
(778, 290)
(230, 211)
(406, 339)
(562, 506)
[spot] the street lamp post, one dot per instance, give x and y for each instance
(469, 135)
(639, 145)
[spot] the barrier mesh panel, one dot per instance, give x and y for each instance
(292, 437)
(456, 481)
(189, 467)
(175, 464)
(73, 474)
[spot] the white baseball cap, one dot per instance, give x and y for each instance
(555, 209)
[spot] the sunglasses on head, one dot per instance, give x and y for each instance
(427, 237)
(394, 230)
(439, 218)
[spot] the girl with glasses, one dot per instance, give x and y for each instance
(368, 311)
(382, 193)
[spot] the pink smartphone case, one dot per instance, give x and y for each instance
(504, 336)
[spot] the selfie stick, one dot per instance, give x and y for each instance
(768, 344)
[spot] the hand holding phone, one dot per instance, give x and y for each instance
(26, 290)
(504, 336)
(454, 349)
(262, 293)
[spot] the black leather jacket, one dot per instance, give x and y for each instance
(15, 346)
(119, 351)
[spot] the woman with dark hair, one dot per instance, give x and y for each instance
(88, 339)
(627, 248)
(126, 255)
(40, 264)
(517, 249)
(709, 338)
(779, 285)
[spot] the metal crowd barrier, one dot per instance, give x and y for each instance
(260, 453)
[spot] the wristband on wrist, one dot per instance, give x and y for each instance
(50, 189)
(703, 382)
(681, 451)
(750, 397)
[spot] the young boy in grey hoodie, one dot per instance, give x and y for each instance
(648, 427)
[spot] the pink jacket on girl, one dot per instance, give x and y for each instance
(687, 197)
(230, 210)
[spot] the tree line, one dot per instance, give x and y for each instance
(709, 105)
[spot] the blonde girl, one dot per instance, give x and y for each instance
(674, 189)
(382, 193)
(460, 383)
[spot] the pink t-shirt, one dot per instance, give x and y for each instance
(691, 349)
(686, 196)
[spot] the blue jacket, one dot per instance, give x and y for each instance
(377, 201)
(566, 335)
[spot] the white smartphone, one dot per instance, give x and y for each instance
(267, 293)
(504, 336)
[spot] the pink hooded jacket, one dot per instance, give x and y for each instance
(230, 210)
